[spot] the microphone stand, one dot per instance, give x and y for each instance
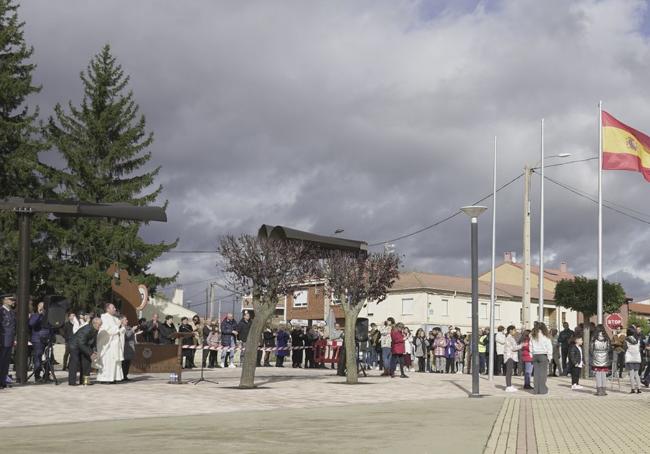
(202, 378)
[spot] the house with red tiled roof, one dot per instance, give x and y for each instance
(426, 300)
(512, 272)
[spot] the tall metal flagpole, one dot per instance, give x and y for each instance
(541, 234)
(493, 278)
(599, 310)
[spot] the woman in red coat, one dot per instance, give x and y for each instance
(397, 350)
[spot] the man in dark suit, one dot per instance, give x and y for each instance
(83, 349)
(41, 336)
(167, 331)
(7, 335)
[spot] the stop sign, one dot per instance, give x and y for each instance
(614, 321)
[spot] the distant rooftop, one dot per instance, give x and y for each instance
(415, 280)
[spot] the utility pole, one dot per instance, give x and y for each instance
(207, 302)
(526, 312)
(211, 293)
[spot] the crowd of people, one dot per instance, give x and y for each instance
(107, 343)
(534, 354)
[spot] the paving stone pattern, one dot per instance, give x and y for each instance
(575, 426)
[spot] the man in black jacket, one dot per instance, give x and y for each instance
(83, 349)
(563, 339)
(167, 331)
(297, 340)
(187, 342)
(68, 332)
(243, 327)
(228, 336)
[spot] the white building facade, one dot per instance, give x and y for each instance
(424, 300)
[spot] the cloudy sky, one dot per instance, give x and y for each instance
(377, 117)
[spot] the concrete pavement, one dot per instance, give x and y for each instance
(304, 410)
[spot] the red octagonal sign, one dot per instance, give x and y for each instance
(614, 321)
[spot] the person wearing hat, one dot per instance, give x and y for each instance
(7, 335)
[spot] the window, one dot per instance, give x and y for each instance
(300, 298)
(483, 311)
(497, 311)
(469, 309)
(408, 306)
(445, 308)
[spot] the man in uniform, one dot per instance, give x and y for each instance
(7, 335)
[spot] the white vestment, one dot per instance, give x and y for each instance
(110, 349)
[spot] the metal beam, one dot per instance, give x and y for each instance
(320, 241)
(25, 208)
(82, 209)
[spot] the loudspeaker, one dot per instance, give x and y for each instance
(361, 330)
(56, 308)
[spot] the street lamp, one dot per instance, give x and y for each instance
(541, 224)
(474, 212)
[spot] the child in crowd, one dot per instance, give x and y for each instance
(526, 358)
(600, 359)
(460, 355)
(633, 360)
(575, 361)
(439, 352)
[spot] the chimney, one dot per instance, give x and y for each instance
(507, 257)
(178, 296)
(514, 257)
(563, 267)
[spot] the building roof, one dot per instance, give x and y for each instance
(551, 274)
(639, 308)
(414, 280)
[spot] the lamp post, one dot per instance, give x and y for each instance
(541, 224)
(474, 212)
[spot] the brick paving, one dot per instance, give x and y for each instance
(546, 425)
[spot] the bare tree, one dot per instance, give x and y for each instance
(355, 280)
(266, 269)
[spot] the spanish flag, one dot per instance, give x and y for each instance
(624, 148)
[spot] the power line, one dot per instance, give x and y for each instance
(190, 252)
(448, 218)
(188, 284)
(607, 204)
(435, 224)
(568, 162)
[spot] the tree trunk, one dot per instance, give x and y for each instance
(351, 371)
(586, 345)
(262, 314)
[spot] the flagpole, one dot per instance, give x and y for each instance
(541, 233)
(493, 277)
(599, 310)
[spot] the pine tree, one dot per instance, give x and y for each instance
(104, 144)
(20, 143)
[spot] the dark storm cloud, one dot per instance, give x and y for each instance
(375, 117)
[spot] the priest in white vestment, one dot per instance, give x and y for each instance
(110, 347)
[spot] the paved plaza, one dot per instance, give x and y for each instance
(296, 410)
